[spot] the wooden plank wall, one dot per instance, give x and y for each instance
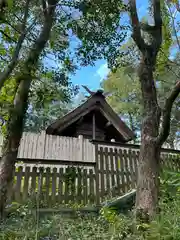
(113, 174)
(43, 146)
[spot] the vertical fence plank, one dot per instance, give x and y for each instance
(117, 171)
(127, 170)
(33, 180)
(18, 184)
(26, 183)
(101, 171)
(97, 175)
(79, 185)
(107, 170)
(122, 170)
(54, 177)
(60, 186)
(85, 186)
(40, 184)
(136, 158)
(73, 186)
(132, 170)
(47, 182)
(66, 189)
(112, 171)
(91, 183)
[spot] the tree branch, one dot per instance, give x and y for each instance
(23, 80)
(173, 25)
(157, 34)
(40, 43)
(136, 26)
(3, 5)
(5, 74)
(166, 117)
(157, 13)
(146, 27)
(7, 36)
(44, 7)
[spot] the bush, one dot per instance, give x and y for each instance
(24, 225)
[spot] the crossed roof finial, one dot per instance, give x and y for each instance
(105, 94)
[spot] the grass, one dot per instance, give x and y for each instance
(23, 225)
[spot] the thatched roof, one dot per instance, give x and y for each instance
(96, 103)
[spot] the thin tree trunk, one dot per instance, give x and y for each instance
(12, 141)
(16, 122)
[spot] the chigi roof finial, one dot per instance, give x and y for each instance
(105, 94)
(88, 90)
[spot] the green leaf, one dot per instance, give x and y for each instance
(10, 3)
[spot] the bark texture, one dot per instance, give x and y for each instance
(17, 114)
(149, 159)
(152, 135)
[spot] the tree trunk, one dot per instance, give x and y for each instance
(152, 135)
(17, 113)
(11, 144)
(148, 181)
(12, 141)
(149, 159)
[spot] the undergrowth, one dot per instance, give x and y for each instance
(23, 225)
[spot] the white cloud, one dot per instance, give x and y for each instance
(102, 71)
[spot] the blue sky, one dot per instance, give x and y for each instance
(93, 75)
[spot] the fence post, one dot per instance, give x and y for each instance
(97, 175)
(81, 148)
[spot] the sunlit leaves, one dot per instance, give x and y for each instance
(163, 55)
(10, 3)
(6, 100)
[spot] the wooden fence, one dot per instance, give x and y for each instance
(51, 147)
(44, 146)
(112, 174)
